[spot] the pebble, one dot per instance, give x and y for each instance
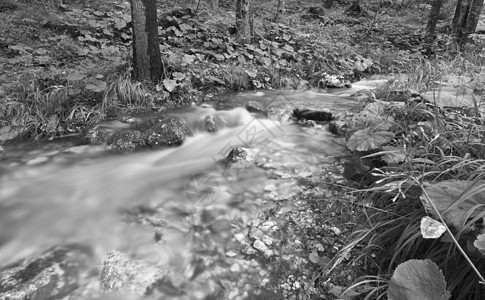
(249, 250)
(268, 253)
(235, 268)
(260, 246)
(266, 226)
(256, 233)
(267, 240)
(231, 253)
(240, 237)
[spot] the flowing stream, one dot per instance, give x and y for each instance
(59, 193)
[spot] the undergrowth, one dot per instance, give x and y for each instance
(435, 148)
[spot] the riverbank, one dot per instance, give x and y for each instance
(66, 67)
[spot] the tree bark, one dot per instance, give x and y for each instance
(473, 16)
(433, 19)
(243, 20)
(214, 4)
(461, 15)
(328, 4)
(356, 9)
(280, 10)
(147, 62)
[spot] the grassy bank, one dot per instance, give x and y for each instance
(64, 67)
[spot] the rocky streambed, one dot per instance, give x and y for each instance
(252, 205)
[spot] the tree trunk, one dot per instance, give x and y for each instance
(147, 62)
(473, 16)
(328, 4)
(280, 10)
(214, 4)
(461, 15)
(356, 9)
(243, 20)
(433, 19)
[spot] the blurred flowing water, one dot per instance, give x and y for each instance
(83, 198)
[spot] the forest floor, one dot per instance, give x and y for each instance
(64, 68)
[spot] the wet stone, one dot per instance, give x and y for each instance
(126, 140)
(260, 246)
(122, 274)
(210, 124)
(364, 96)
(168, 132)
(255, 107)
(337, 127)
(256, 233)
(313, 115)
(51, 275)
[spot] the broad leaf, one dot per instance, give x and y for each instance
(250, 73)
(393, 155)
(362, 64)
(74, 76)
(418, 280)
(96, 85)
(365, 140)
(374, 109)
(314, 258)
(455, 200)
(170, 84)
(480, 243)
(431, 229)
(178, 76)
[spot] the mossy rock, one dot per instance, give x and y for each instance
(126, 140)
(168, 132)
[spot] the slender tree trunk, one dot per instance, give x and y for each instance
(214, 4)
(280, 10)
(147, 62)
(433, 19)
(243, 20)
(461, 15)
(473, 16)
(356, 8)
(456, 15)
(328, 4)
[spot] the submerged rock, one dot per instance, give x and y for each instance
(167, 132)
(210, 124)
(314, 115)
(240, 154)
(280, 112)
(52, 275)
(237, 160)
(337, 127)
(122, 274)
(256, 107)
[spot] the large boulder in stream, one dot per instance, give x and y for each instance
(126, 140)
(168, 132)
(51, 275)
(322, 115)
(337, 127)
(256, 107)
(122, 274)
